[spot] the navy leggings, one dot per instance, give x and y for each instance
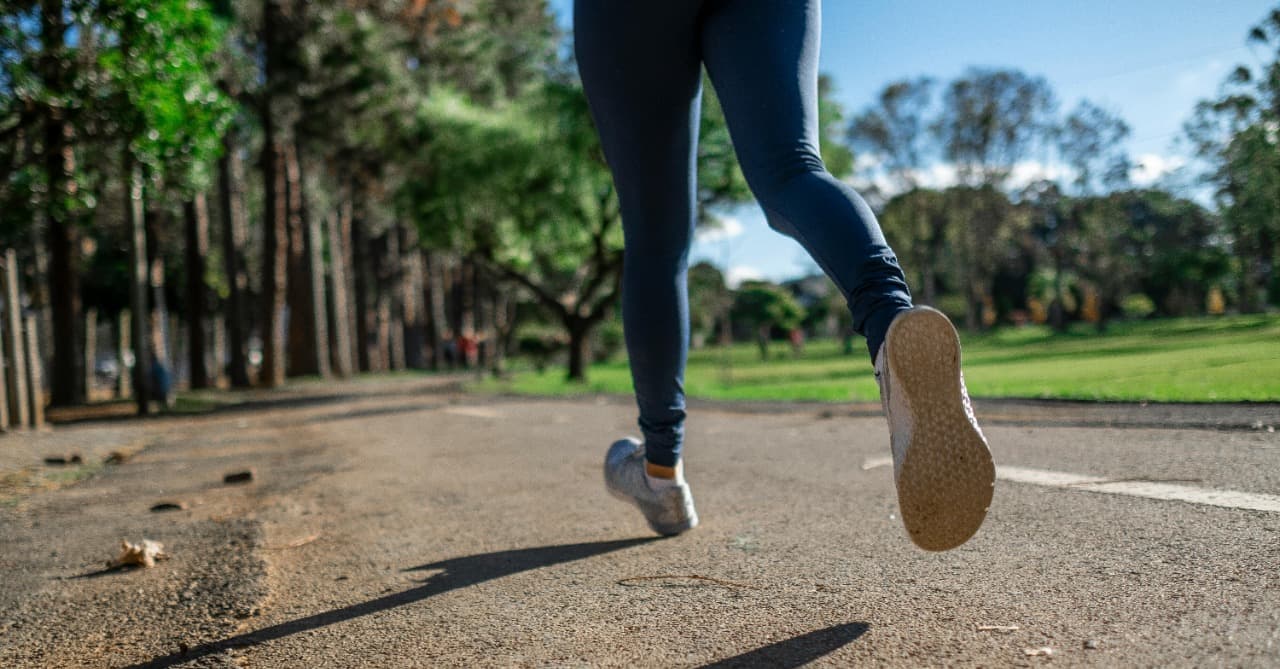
(641, 66)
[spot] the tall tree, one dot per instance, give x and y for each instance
(55, 104)
(195, 214)
(894, 130)
(1235, 135)
(990, 121)
(1091, 142)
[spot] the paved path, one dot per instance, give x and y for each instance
(403, 524)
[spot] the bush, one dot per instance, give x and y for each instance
(1137, 305)
(608, 340)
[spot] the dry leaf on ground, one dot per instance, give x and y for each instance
(144, 553)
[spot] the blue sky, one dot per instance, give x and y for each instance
(1147, 60)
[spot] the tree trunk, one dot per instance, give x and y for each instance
(395, 298)
(35, 378)
(218, 337)
(196, 213)
(275, 248)
(1057, 311)
(437, 327)
(17, 408)
(762, 341)
(579, 350)
(158, 334)
(364, 317)
(308, 340)
(38, 290)
(63, 240)
(231, 181)
(64, 271)
(480, 291)
(315, 266)
(341, 348)
(137, 288)
(929, 277)
(502, 329)
(275, 219)
(412, 299)
(973, 306)
(380, 356)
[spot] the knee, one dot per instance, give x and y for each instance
(770, 180)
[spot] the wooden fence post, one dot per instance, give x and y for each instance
(4, 395)
(90, 351)
(124, 386)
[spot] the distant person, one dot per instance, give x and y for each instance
(641, 66)
(796, 338)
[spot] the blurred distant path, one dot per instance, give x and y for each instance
(405, 523)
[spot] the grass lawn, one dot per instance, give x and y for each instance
(1222, 359)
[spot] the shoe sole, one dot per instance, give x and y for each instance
(947, 476)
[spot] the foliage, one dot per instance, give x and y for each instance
(159, 86)
(764, 307)
(990, 120)
(709, 299)
(1225, 359)
(1236, 136)
(893, 131)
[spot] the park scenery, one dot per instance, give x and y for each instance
(312, 344)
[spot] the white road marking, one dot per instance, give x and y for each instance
(473, 412)
(872, 463)
(1231, 499)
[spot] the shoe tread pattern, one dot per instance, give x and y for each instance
(947, 477)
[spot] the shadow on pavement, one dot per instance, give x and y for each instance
(796, 651)
(99, 573)
(256, 401)
(458, 573)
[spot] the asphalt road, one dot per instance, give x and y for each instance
(404, 524)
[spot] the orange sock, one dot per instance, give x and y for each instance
(658, 471)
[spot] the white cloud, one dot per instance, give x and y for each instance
(739, 273)
(940, 176)
(1029, 171)
(725, 227)
(1149, 167)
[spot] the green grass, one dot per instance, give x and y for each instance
(1234, 358)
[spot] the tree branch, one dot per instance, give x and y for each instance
(504, 270)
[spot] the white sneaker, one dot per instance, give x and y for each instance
(669, 511)
(941, 462)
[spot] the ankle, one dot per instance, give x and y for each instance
(659, 476)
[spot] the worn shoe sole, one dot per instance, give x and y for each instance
(947, 477)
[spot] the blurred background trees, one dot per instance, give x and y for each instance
(223, 192)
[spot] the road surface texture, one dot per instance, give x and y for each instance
(403, 523)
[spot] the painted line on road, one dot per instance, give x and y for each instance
(473, 412)
(1230, 499)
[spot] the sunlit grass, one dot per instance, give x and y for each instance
(1192, 360)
